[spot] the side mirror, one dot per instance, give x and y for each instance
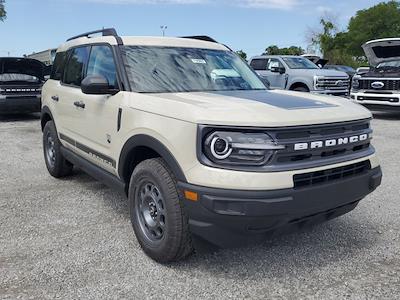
(280, 70)
(97, 85)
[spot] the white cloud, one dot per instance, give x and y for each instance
(324, 9)
(278, 4)
(273, 4)
(151, 1)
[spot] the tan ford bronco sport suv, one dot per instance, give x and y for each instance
(205, 153)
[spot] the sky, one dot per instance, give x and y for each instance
(248, 25)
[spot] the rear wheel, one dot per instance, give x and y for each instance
(157, 214)
(56, 164)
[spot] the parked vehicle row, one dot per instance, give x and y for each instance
(202, 149)
(297, 73)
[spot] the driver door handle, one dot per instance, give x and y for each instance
(80, 104)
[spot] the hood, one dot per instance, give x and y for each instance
(26, 66)
(378, 51)
(381, 73)
(316, 60)
(272, 108)
(321, 62)
(320, 72)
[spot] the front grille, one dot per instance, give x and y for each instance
(372, 98)
(389, 84)
(17, 91)
(290, 157)
(333, 83)
(325, 176)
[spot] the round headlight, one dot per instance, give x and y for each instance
(220, 147)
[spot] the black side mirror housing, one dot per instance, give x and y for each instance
(97, 85)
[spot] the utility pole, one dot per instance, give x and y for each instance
(163, 29)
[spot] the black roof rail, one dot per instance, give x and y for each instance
(205, 38)
(104, 32)
(201, 38)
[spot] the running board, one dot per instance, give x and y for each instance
(94, 171)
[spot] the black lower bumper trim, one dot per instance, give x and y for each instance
(382, 107)
(227, 218)
(20, 105)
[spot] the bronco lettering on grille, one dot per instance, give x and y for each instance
(331, 142)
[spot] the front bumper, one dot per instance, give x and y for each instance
(23, 104)
(385, 102)
(342, 93)
(229, 218)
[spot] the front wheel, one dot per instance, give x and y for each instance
(301, 89)
(157, 214)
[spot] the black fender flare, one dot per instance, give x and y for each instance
(142, 140)
(45, 111)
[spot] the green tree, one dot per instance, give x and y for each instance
(292, 50)
(344, 47)
(379, 21)
(3, 13)
(242, 54)
(332, 43)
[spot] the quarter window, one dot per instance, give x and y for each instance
(101, 62)
(76, 66)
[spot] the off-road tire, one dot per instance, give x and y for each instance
(152, 181)
(56, 164)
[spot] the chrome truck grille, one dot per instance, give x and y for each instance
(332, 83)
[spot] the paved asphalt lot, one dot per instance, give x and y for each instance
(72, 238)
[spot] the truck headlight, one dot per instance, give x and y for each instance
(237, 148)
(317, 82)
(355, 84)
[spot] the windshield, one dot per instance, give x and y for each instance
(170, 70)
(18, 77)
(389, 64)
(299, 63)
(346, 69)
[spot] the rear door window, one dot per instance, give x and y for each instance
(76, 66)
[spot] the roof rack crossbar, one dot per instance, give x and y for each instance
(104, 32)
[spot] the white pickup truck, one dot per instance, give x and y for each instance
(298, 73)
(379, 88)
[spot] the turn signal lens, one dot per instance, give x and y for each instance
(192, 196)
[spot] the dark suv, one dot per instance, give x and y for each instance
(21, 81)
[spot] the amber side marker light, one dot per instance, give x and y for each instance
(192, 196)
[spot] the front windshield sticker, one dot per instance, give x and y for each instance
(198, 61)
(278, 100)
